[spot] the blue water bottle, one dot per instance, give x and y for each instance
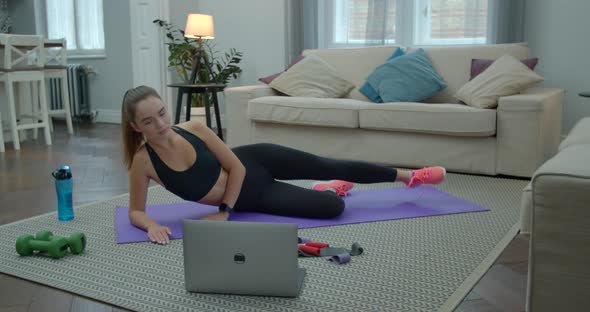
(63, 187)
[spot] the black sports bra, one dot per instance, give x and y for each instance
(196, 181)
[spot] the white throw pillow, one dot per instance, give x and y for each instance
(312, 77)
(506, 76)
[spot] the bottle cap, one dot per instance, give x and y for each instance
(62, 173)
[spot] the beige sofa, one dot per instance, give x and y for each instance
(558, 200)
(514, 139)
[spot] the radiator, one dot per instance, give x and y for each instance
(78, 92)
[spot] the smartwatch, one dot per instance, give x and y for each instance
(226, 208)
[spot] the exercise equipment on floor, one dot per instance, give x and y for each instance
(307, 248)
(76, 241)
(54, 246)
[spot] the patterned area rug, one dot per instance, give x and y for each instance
(421, 264)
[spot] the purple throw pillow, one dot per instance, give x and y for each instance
(479, 65)
(270, 78)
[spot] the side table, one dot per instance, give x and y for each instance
(205, 88)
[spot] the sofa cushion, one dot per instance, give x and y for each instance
(354, 64)
(453, 63)
(506, 76)
(479, 65)
(341, 113)
(368, 90)
(580, 134)
(446, 119)
(269, 79)
(408, 78)
(312, 77)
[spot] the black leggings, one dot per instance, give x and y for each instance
(266, 162)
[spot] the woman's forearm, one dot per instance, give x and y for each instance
(141, 220)
(234, 185)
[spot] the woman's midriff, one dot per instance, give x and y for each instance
(213, 197)
(216, 193)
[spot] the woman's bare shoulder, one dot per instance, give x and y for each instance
(193, 126)
(141, 161)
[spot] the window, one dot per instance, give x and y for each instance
(451, 22)
(350, 25)
(79, 21)
(403, 22)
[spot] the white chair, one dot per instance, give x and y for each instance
(56, 61)
(19, 50)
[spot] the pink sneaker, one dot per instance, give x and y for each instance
(340, 186)
(427, 175)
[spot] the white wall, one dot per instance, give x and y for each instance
(255, 27)
(557, 33)
(179, 11)
(115, 72)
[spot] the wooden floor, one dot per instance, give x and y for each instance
(94, 154)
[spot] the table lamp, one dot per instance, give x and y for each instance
(199, 26)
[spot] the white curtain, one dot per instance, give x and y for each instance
(90, 26)
(79, 21)
(341, 23)
(380, 22)
(60, 21)
(452, 22)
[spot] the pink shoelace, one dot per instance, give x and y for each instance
(423, 175)
(340, 190)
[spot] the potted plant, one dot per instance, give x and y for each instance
(182, 59)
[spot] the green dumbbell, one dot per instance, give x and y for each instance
(56, 247)
(76, 241)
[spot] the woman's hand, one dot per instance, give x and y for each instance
(159, 234)
(218, 216)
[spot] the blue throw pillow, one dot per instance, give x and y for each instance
(408, 78)
(368, 91)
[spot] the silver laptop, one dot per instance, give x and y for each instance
(243, 258)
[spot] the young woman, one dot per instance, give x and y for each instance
(190, 161)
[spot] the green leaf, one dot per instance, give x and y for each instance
(183, 50)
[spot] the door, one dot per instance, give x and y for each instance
(148, 50)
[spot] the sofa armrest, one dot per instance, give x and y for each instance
(528, 130)
(238, 124)
(559, 274)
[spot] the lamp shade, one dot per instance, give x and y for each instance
(199, 26)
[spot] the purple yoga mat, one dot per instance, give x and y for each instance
(361, 206)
